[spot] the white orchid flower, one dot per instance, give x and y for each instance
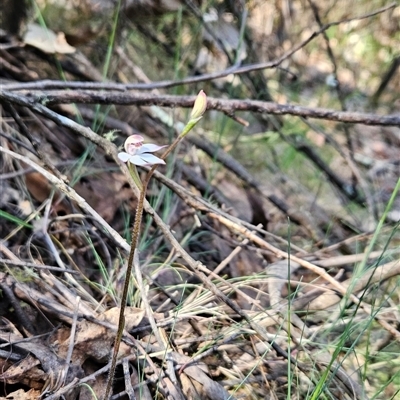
(138, 153)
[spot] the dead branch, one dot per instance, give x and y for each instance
(226, 106)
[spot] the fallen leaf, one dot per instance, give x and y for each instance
(95, 341)
(25, 372)
(46, 40)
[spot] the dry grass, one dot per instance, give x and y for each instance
(269, 248)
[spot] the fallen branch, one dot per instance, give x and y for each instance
(228, 107)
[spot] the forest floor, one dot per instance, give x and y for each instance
(269, 250)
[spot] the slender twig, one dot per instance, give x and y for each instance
(34, 265)
(387, 77)
(71, 339)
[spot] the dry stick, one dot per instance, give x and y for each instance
(224, 105)
(49, 84)
(71, 338)
(19, 263)
(388, 75)
(200, 204)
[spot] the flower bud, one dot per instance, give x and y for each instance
(200, 106)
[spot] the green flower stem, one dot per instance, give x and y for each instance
(135, 176)
(134, 244)
(189, 126)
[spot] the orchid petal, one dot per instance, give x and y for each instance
(145, 159)
(149, 148)
(124, 157)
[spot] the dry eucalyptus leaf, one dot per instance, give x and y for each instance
(95, 341)
(209, 389)
(25, 371)
(46, 40)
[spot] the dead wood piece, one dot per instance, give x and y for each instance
(226, 106)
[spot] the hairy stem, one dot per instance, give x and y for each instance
(134, 245)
